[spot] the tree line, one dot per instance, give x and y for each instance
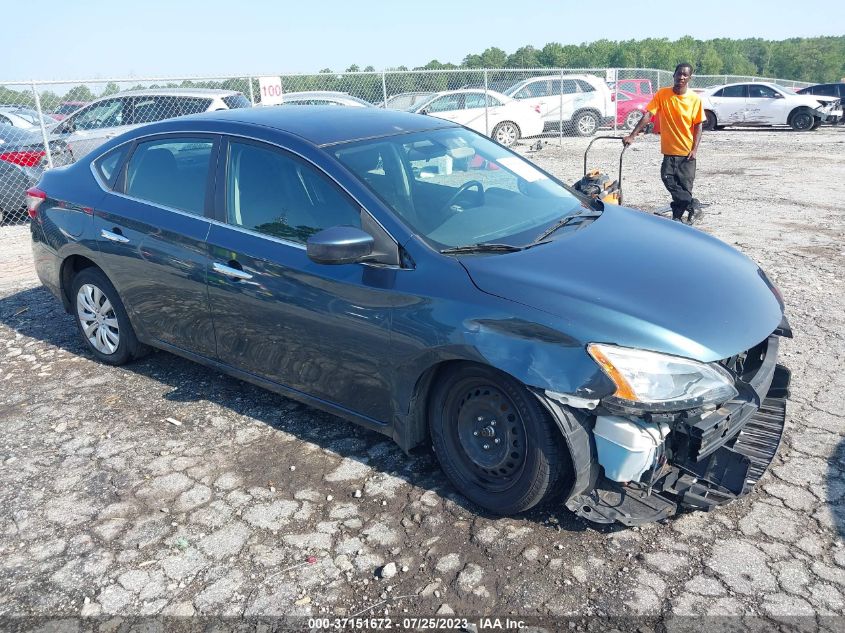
(816, 59)
(811, 59)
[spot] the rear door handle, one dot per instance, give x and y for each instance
(232, 273)
(114, 237)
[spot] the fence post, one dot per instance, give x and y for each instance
(560, 112)
(41, 125)
(251, 94)
(616, 100)
(384, 89)
(486, 107)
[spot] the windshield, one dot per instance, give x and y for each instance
(785, 90)
(454, 187)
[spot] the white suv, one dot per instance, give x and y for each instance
(582, 103)
(106, 117)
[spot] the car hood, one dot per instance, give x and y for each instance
(642, 281)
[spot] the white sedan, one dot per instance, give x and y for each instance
(766, 104)
(504, 119)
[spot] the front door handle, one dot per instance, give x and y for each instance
(114, 237)
(232, 273)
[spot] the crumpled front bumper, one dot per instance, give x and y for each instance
(713, 456)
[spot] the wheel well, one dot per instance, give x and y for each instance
(592, 111)
(713, 114)
(70, 267)
(795, 111)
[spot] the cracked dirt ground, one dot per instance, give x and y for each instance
(166, 488)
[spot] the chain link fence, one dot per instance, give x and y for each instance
(47, 124)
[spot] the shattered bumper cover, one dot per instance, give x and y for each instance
(713, 457)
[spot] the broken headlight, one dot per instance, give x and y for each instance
(650, 381)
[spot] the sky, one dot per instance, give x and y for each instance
(100, 39)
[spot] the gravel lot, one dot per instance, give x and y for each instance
(166, 488)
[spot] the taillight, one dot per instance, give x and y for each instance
(27, 158)
(612, 96)
(34, 198)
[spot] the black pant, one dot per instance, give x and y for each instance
(678, 174)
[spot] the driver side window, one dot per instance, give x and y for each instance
(444, 104)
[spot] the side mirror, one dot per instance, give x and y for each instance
(779, 96)
(424, 111)
(340, 245)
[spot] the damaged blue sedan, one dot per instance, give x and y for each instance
(417, 278)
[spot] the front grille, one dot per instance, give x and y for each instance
(703, 433)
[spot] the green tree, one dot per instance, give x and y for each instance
(524, 57)
(110, 89)
(79, 93)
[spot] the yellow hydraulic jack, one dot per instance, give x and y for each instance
(596, 184)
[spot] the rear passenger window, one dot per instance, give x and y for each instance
(108, 164)
(273, 193)
(735, 91)
(172, 172)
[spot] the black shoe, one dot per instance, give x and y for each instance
(695, 215)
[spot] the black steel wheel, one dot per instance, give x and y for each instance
(494, 440)
(802, 121)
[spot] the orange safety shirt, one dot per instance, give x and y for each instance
(678, 114)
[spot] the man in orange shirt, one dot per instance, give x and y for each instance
(681, 117)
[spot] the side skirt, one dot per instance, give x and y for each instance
(288, 392)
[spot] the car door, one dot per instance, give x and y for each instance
(478, 117)
(447, 107)
(729, 104)
(538, 94)
(152, 230)
(765, 106)
(95, 124)
(321, 330)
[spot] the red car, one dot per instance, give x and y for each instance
(66, 108)
(630, 108)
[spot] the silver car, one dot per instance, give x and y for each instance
(324, 97)
(106, 117)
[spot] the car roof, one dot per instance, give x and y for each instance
(548, 77)
(319, 125)
(317, 93)
(178, 92)
(471, 91)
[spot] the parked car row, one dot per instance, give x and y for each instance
(23, 160)
(581, 104)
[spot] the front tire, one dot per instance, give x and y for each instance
(102, 319)
(494, 441)
(506, 133)
(709, 121)
(802, 121)
(816, 123)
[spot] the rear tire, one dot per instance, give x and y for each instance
(632, 119)
(585, 124)
(494, 441)
(102, 319)
(506, 133)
